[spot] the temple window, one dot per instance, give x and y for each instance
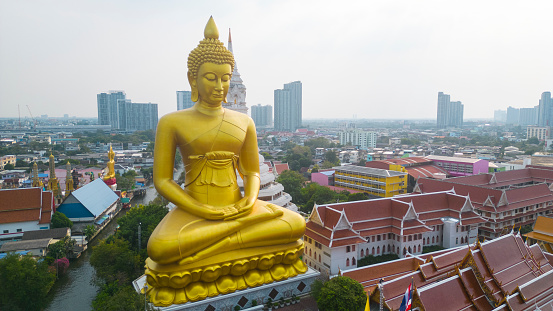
(347, 262)
(353, 261)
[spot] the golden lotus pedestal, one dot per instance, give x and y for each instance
(174, 284)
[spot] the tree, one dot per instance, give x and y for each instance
(24, 283)
(89, 231)
(358, 196)
(21, 163)
(9, 166)
(339, 294)
(61, 248)
(292, 182)
(114, 261)
(149, 216)
(59, 220)
(114, 298)
(533, 140)
(331, 157)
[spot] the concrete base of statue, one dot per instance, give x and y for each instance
(295, 286)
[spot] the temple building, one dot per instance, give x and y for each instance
(505, 199)
(501, 274)
(542, 234)
(236, 96)
(22, 210)
(338, 235)
(270, 190)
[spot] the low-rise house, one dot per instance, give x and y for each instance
(93, 203)
(23, 210)
(56, 234)
(35, 247)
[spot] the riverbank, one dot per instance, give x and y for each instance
(75, 290)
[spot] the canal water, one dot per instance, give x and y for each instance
(75, 290)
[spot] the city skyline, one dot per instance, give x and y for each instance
(365, 57)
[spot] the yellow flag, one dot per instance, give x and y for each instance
(368, 305)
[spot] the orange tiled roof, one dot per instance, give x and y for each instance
(25, 204)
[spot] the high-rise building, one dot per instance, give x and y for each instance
(528, 116)
(450, 114)
(122, 114)
(545, 110)
(137, 116)
(288, 107)
(500, 115)
(236, 96)
(358, 137)
(184, 100)
(107, 108)
(513, 115)
(262, 115)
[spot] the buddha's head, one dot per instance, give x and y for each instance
(210, 67)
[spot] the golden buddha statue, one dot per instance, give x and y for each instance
(111, 165)
(215, 241)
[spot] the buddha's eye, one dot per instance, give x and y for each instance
(225, 78)
(210, 77)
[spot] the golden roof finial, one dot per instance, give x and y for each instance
(211, 30)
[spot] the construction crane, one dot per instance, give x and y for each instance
(34, 121)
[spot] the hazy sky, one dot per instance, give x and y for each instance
(375, 59)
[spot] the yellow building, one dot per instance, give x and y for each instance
(379, 182)
(542, 234)
(8, 159)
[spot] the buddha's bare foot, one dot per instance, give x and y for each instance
(210, 250)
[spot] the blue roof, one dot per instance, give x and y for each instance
(74, 210)
(327, 173)
(2, 255)
(41, 175)
(95, 196)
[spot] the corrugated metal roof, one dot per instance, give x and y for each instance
(95, 196)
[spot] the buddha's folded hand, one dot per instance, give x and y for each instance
(209, 212)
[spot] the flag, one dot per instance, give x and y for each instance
(406, 302)
(367, 305)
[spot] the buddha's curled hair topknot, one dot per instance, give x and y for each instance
(210, 50)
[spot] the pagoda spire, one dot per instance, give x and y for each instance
(230, 42)
(36, 179)
(68, 180)
(52, 180)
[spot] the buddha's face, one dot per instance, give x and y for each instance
(212, 83)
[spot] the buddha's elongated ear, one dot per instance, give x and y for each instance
(194, 96)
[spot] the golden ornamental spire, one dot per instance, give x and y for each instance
(211, 31)
(68, 180)
(36, 179)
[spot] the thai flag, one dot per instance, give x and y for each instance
(406, 302)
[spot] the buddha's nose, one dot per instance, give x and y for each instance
(219, 85)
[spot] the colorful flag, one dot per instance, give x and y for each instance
(406, 302)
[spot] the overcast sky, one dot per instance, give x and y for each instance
(372, 59)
